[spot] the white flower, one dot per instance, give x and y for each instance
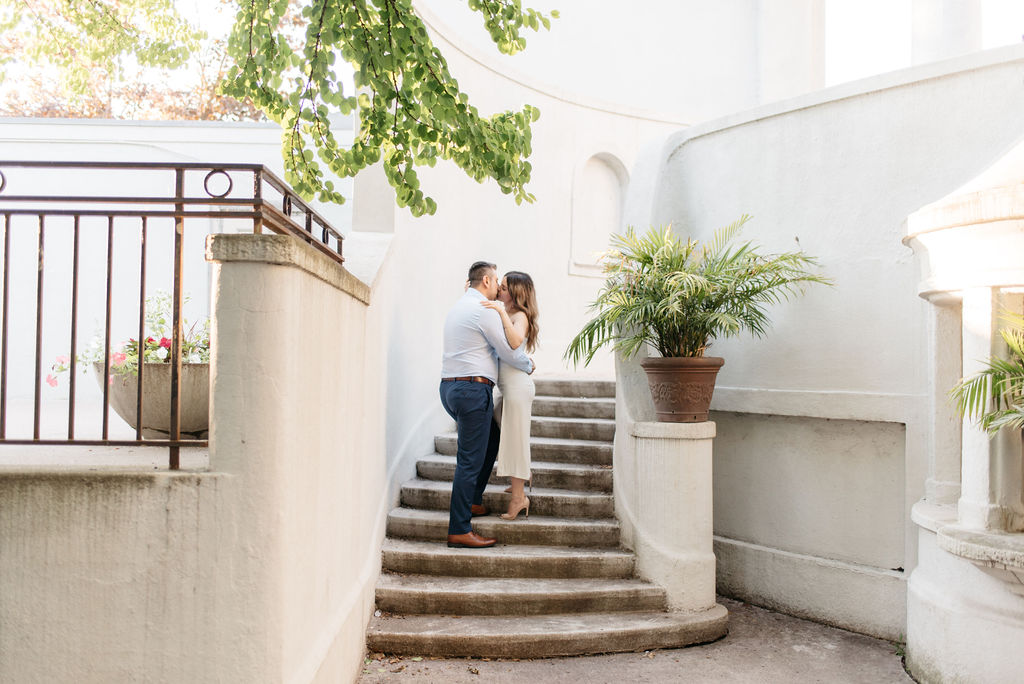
(193, 358)
(161, 353)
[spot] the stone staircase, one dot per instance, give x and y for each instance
(556, 584)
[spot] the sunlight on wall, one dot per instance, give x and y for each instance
(1002, 23)
(868, 37)
(865, 38)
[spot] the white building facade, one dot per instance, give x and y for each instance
(846, 490)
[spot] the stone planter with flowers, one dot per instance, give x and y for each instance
(155, 351)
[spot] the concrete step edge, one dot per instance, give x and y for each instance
(418, 594)
(503, 560)
(537, 493)
(544, 635)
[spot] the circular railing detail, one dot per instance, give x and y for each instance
(212, 174)
(3, 181)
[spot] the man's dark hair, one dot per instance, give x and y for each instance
(478, 270)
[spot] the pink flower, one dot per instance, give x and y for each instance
(63, 360)
(118, 358)
(165, 343)
(50, 380)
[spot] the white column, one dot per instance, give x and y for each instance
(991, 473)
(945, 434)
(674, 545)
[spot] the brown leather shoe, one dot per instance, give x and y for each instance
(478, 509)
(469, 540)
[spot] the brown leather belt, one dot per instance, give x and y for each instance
(471, 378)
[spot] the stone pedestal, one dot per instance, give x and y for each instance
(674, 523)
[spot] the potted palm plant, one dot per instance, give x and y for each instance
(994, 397)
(679, 297)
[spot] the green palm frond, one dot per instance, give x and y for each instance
(680, 296)
(994, 397)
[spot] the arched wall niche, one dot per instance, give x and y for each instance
(598, 192)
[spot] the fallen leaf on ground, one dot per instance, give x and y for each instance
(417, 659)
(474, 670)
(398, 669)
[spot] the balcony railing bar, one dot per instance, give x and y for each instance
(109, 442)
(106, 328)
(3, 330)
(179, 250)
(142, 328)
(260, 173)
(185, 203)
(73, 361)
(39, 332)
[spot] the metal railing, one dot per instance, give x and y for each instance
(174, 195)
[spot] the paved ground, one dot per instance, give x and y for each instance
(762, 646)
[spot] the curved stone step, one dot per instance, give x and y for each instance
(561, 503)
(577, 476)
(597, 429)
(550, 449)
(505, 560)
(573, 387)
(513, 595)
(414, 523)
(573, 407)
(543, 636)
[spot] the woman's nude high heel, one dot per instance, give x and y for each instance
(512, 515)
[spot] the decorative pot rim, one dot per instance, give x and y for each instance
(663, 361)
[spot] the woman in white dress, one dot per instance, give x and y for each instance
(517, 306)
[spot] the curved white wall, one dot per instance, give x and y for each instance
(825, 426)
(694, 59)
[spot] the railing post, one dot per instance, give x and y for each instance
(179, 244)
(257, 201)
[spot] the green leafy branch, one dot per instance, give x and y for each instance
(411, 110)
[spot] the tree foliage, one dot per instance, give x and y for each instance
(110, 59)
(282, 58)
(411, 110)
(680, 296)
(79, 36)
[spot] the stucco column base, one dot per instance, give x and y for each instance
(674, 545)
(964, 624)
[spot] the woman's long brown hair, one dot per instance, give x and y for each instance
(521, 292)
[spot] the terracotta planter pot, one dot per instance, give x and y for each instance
(682, 387)
(156, 399)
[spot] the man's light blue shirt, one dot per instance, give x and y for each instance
(474, 340)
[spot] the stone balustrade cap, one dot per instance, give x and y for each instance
(996, 549)
(284, 250)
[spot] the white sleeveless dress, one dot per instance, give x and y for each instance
(513, 416)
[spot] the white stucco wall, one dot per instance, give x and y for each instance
(654, 55)
(824, 426)
(429, 256)
(260, 569)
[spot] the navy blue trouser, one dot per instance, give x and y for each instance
(471, 404)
